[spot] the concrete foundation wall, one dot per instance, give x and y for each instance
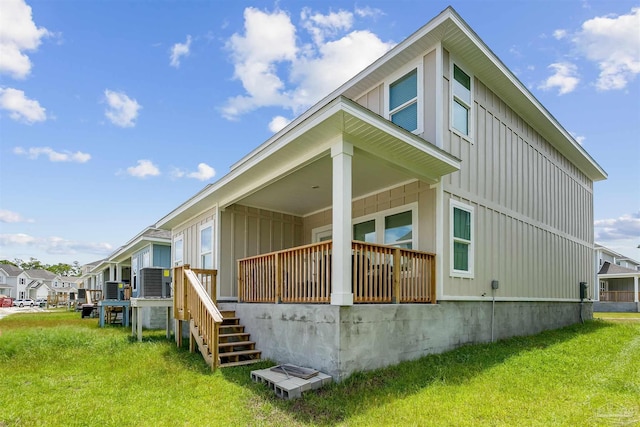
(617, 307)
(343, 340)
(154, 317)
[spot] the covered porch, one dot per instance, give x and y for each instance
(619, 289)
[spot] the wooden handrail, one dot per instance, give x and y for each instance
(617, 296)
(193, 302)
(380, 274)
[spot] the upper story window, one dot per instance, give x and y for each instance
(404, 98)
(461, 221)
(178, 251)
(461, 101)
(403, 101)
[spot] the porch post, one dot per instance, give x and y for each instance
(635, 289)
(341, 154)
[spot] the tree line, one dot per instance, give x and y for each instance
(61, 269)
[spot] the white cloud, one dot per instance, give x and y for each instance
(144, 169)
(55, 245)
(322, 26)
(560, 34)
(276, 70)
(613, 42)
(565, 78)
(579, 139)
(18, 34)
(179, 50)
(122, 111)
(54, 156)
(278, 123)
(625, 227)
(204, 173)
(11, 217)
(21, 108)
(365, 12)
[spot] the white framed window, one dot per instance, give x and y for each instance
(404, 99)
(461, 101)
(22, 281)
(206, 245)
(178, 250)
(393, 227)
(603, 286)
(462, 239)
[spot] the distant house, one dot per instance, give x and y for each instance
(12, 278)
(617, 282)
(42, 283)
(429, 202)
(149, 248)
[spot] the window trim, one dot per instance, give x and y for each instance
(416, 65)
(453, 99)
(177, 262)
(454, 204)
(202, 227)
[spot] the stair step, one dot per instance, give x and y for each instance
(230, 329)
(243, 335)
(241, 353)
(240, 363)
(230, 320)
(228, 313)
(225, 345)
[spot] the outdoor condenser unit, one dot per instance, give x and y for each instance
(154, 282)
(113, 290)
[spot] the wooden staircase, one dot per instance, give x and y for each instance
(234, 345)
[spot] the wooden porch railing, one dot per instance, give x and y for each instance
(303, 275)
(193, 301)
(617, 296)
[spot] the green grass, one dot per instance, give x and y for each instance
(617, 316)
(57, 369)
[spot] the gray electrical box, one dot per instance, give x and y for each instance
(494, 284)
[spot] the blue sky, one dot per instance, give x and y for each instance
(113, 113)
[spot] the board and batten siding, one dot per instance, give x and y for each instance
(402, 195)
(533, 207)
(374, 98)
(247, 231)
(190, 232)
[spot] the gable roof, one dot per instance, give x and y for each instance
(38, 273)
(11, 270)
(608, 268)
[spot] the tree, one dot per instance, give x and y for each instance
(6, 261)
(32, 264)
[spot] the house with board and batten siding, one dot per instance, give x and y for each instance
(429, 202)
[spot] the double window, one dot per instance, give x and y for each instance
(461, 101)
(461, 220)
(388, 228)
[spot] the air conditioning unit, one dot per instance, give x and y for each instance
(154, 282)
(113, 290)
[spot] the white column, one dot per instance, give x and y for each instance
(635, 289)
(342, 294)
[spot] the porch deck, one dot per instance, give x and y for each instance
(380, 274)
(618, 296)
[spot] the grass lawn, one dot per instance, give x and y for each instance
(617, 316)
(57, 369)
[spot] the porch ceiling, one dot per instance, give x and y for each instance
(384, 156)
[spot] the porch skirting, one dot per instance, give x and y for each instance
(343, 340)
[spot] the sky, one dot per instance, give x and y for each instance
(113, 113)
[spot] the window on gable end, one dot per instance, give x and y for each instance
(403, 101)
(461, 101)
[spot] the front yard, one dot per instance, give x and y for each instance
(57, 369)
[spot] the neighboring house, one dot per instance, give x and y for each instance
(42, 283)
(150, 248)
(87, 279)
(429, 202)
(12, 278)
(617, 286)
